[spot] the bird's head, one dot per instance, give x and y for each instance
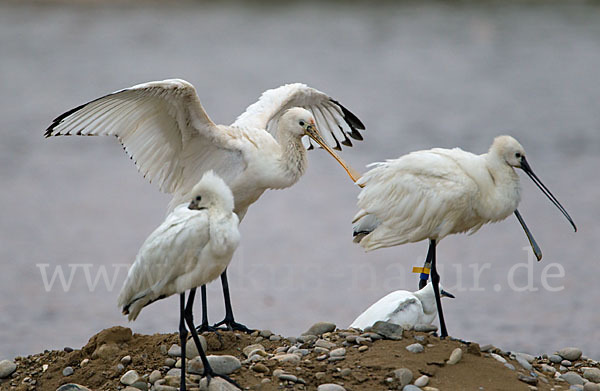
(301, 122)
(513, 154)
(211, 191)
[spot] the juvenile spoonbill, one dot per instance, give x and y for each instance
(192, 247)
(403, 308)
(166, 132)
(434, 193)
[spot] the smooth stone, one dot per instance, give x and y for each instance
(570, 353)
(302, 352)
(330, 387)
(411, 387)
(120, 367)
(572, 378)
(422, 381)
(510, 366)
(566, 363)
(455, 356)
(486, 348)
(336, 358)
(289, 377)
(191, 350)
(174, 351)
(278, 372)
(154, 376)
(590, 386)
(321, 357)
(388, 330)
(162, 387)
(140, 385)
(523, 362)
(345, 372)
(72, 387)
(415, 348)
(106, 352)
(321, 343)
(425, 328)
(576, 387)
(307, 338)
(130, 377)
(528, 379)
(320, 328)
(68, 371)
(174, 372)
(170, 362)
(498, 358)
(288, 357)
(363, 348)
(548, 368)
(592, 374)
(251, 348)
(126, 360)
(404, 376)
(555, 359)
(275, 338)
(217, 384)
(320, 375)
(339, 352)
(320, 350)
(222, 365)
(530, 359)
(265, 333)
(7, 368)
(260, 368)
(373, 336)
(419, 338)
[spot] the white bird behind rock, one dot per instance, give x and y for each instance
(173, 142)
(403, 308)
(438, 192)
(192, 247)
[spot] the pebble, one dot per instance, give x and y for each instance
(510, 366)
(339, 352)
(548, 368)
(174, 351)
(363, 348)
(68, 371)
(404, 376)
(320, 328)
(415, 348)
(572, 377)
(222, 364)
(530, 359)
(410, 387)
(528, 379)
(251, 348)
(288, 357)
(72, 387)
(570, 353)
(170, 362)
(44, 367)
(388, 330)
(590, 386)
(130, 377)
(154, 376)
(566, 363)
(84, 362)
(289, 377)
(330, 387)
(498, 358)
(319, 375)
(576, 387)
(523, 362)
(425, 328)
(321, 343)
(321, 357)
(487, 348)
(336, 358)
(373, 336)
(319, 350)
(126, 360)
(7, 368)
(346, 372)
(592, 374)
(275, 338)
(265, 333)
(174, 372)
(260, 368)
(216, 384)
(422, 381)
(191, 350)
(455, 356)
(120, 367)
(140, 385)
(555, 359)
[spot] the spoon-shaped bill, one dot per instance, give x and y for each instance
(527, 168)
(314, 134)
(532, 242)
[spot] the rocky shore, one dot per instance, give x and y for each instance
(323, 358)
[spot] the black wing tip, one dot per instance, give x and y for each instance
(350, 118)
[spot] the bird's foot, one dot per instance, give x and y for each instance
(206, 327)
(210, 374)
(232, 325)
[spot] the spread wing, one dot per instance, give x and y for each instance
(334, 121)
(163, 128)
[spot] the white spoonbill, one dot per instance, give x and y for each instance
(192, 247)
(165, 130)
(403, 308)
(434, 193)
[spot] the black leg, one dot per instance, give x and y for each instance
(182, 338)
(229, 321)
(435, 280)
(204, 326)
(424, 276)
(189, 318)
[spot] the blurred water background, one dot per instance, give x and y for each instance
(418, 74)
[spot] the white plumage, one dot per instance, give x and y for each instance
(192, 247)
(403, 308)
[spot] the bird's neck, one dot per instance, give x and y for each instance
(292, 159)
(501, 190)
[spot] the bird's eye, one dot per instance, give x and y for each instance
(518, 155)
(301, 123)
(198, 198)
